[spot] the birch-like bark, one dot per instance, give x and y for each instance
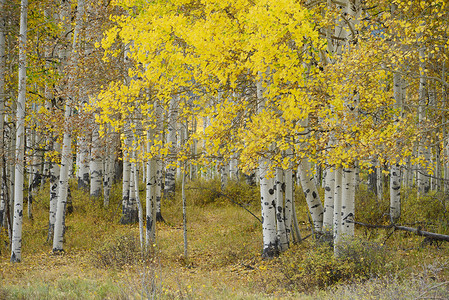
(3, 201)
(66, 155)
(280, 213)
(16, 246)
(329, 191)
(395, 192)
(233, 167)
(125, 185)
(135, 178)
(289, 196)
(83, 163)
(311, 194)
(95, 164)
(170, 169)
(395, 172)
(54, 187)
(422, 176)
(131, 215)
(224, 172)
(159, 180)
(108, 175)
(58, 238)
(150, 199)
(348, 202)
(379, 181)
(184, 212)
(337, 209)
(267, 197)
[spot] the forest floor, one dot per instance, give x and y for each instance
(102, 259)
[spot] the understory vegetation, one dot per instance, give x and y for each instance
(103, 260)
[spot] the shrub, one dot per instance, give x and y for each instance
(124, 250)
(310, 266)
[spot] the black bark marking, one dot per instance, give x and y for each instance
(314, 194)
(327, 188)
(271, 191)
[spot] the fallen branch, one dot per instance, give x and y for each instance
(418, 231)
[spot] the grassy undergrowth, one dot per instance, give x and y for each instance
(102, 259)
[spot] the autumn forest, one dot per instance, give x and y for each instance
(246, 149)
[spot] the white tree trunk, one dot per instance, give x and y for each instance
(422, 177)
(329, 192)
(63, 185)
(54, 188)
(108, 176)
(311, 194)
(16, 246)
(270, 242)
(125, 187)
(159, 180)
(95, 164)
(280, 213)
(224, 171)
(233, 167)
(83, 163)
(267, 196)
(348, 202)
(150, 199)
(395, 192)
(289, 196)
(4, 201)
(170, 169)
(379, 181)
(135, 179)
(337, 209)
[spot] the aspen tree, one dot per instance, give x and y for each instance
(329, 191)
(95, 164)
(311, 194)
(170, 168)
(267, 196)
(66, 154)
(3, 200)
(150, 198)
(280, 210)
(16, 246)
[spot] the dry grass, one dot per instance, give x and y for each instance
(102, 260)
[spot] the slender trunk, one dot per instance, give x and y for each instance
(63, 185)
(150, 194)
(379, 181)
(311, 194)
(270, 242)
(4, 202)
(54, 187)
(95, 164)
(337, 209)
(184, 212)
(422, 178)
(288, 209)
(16, 247)
(139, 204)
(329, 192)
(395, 193)
(267, 196)
(170, 169)
(348, 202)
(280, 213)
